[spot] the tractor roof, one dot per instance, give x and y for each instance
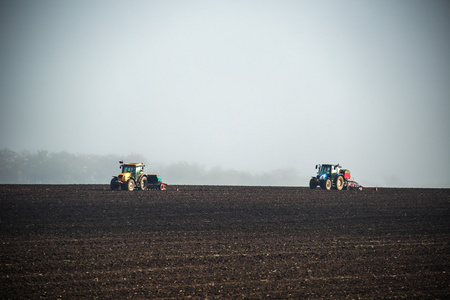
(134, 164)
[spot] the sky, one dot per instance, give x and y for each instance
(254, 86)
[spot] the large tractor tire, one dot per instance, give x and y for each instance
(326, 185)
(339, 183)
(143, 183)
(312, 183)
(131, 184)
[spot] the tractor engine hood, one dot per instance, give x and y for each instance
(124, 176)
(322, 176)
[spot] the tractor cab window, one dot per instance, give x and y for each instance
(130, 169)
(325, 169)
(139, 170)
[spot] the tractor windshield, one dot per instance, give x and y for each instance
(127, 168)
(325, 169)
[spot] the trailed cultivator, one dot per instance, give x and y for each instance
(334, 177)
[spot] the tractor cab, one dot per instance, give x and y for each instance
(134, 169)
(130, 171)
(329, 176)
(327, 171)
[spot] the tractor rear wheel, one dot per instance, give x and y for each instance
(143, 183)
(339, 183)
(131, 184)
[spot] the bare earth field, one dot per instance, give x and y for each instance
(223, 242)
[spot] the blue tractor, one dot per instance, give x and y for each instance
(331, 176)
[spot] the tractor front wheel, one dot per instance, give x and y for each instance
(339, 183)
(313, 183)
(131, 184)
(327, 184)
(112, 184)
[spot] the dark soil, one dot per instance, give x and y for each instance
(223, 242)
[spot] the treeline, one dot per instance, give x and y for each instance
(43, 167)
(186, 173)
(58, 168)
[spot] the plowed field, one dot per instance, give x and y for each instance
(223, 242)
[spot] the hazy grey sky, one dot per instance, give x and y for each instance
(247, 85)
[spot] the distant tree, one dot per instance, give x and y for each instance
(9, 170)
(33, 167)
(184, 173)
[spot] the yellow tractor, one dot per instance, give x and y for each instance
(133, 177)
